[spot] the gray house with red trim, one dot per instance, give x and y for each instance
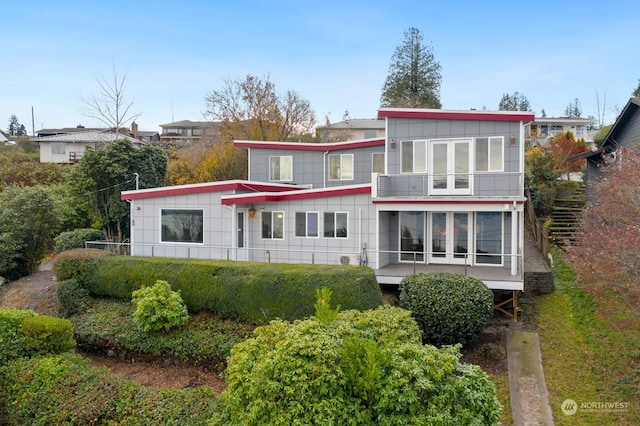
(443, 191)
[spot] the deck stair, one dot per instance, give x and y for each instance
(566, 212)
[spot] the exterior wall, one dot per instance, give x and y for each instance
(312, 167)
(46, 156)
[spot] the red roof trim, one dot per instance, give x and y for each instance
(457, 115)
(168, 191)
(297, 195)
(306, 146)
(447, 201)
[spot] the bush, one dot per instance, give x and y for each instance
(75, 239)
(65, 389)
(74, 299)
(158, 308)
(76, 263)
(449, 308)
(249, 292)
(10, 336)
(42, 335)
(361, 368)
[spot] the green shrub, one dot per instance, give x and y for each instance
(74, 299)
(249, 292)
(158, 308)
(42, 335)
(76, 239)
(361, 368)
(76, 263)
(10, 336)
(449, 308)
(65, 389)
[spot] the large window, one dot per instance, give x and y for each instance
(341, 167)
(307, 224)
(58, 147)
(336, 225)
(489, 238)
(450, 165)
(181, 226)
(414, 156)
(281, 168)
(377, 162)
(489, 154)
(273, 225)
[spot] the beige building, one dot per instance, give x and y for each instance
(187, 132)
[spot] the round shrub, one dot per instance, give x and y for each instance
(43, 335)
(449, 308)
(74, 298)
(76, 238)
(10, 336)
(365, 367)
(158, 307)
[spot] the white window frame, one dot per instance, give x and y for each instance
(58, 148)
(335, 234)
(415, 155)
(306, 225)
(490, 151)
(475, 241)
(451, 144)
(280, 177)
(163, 241)
(342, 158)
(373, 162)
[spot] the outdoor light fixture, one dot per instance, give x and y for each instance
(252, 212)
(512, 139)
(392, 144)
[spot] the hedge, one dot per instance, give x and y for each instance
(66, 389)
(76, 238)
(246, 291)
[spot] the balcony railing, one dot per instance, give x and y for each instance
(74, 157)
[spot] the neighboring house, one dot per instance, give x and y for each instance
(351, 129)
(70, 147)
(443, 191)
(3, 138)
(624, 133)
(186, 132)
(543, 128)
(142, 135)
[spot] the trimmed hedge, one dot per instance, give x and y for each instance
(76, 263)
(73, 297)
(247, 291)
(76, 239)
(449, 308)
(66, 389)
(23, 333)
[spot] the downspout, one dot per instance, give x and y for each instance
(234, 232)
(324, 169)
(359, 230)
(515, 216)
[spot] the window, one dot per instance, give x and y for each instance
(307, 224)
(414, 156)
(273, 225)
(197, 132)
(450, 165)
(377, 162)
(181, 226)
(489, 238)
(281, 168)
(336, 225)
(370, 134)
(58, 147)
(341, 167)
(489, 154)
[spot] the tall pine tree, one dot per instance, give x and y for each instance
(414, 75)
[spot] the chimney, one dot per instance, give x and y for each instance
(134, 129)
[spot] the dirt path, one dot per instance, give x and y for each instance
(38, 293)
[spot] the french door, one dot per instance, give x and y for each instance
(412, 236)
(449, 237)
(450, 163)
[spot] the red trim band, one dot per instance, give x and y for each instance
(297, 195)
(457, 115)
(168, 191)
(307, 146)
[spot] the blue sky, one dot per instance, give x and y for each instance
(335, 54)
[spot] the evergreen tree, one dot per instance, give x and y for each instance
(636, 92)
(515, 102)
(573, 110)
(414, 75)
(15, 128)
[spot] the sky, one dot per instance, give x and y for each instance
(334, 54)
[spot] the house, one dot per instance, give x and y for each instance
(70, 147)
(624, 133)
(187, 132)
(147, 136)
(443, 191)
(3, 138)
(351, 129)
(543, 128)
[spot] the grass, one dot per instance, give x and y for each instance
(591, 349)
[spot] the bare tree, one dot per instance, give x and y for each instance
(601, 110)
(110, 106)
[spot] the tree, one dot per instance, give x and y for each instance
(28, 221)
(514, 102)
(543, 113)
(103, 173)
(252, 109)
(636, 92)
(607, 245)
(15, 128)
(573, 110)
(414, 76)
(109, 106)
(564, 146)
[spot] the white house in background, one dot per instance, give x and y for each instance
(543, 128)
(351, 129)
(442, 192)
(70, 147)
